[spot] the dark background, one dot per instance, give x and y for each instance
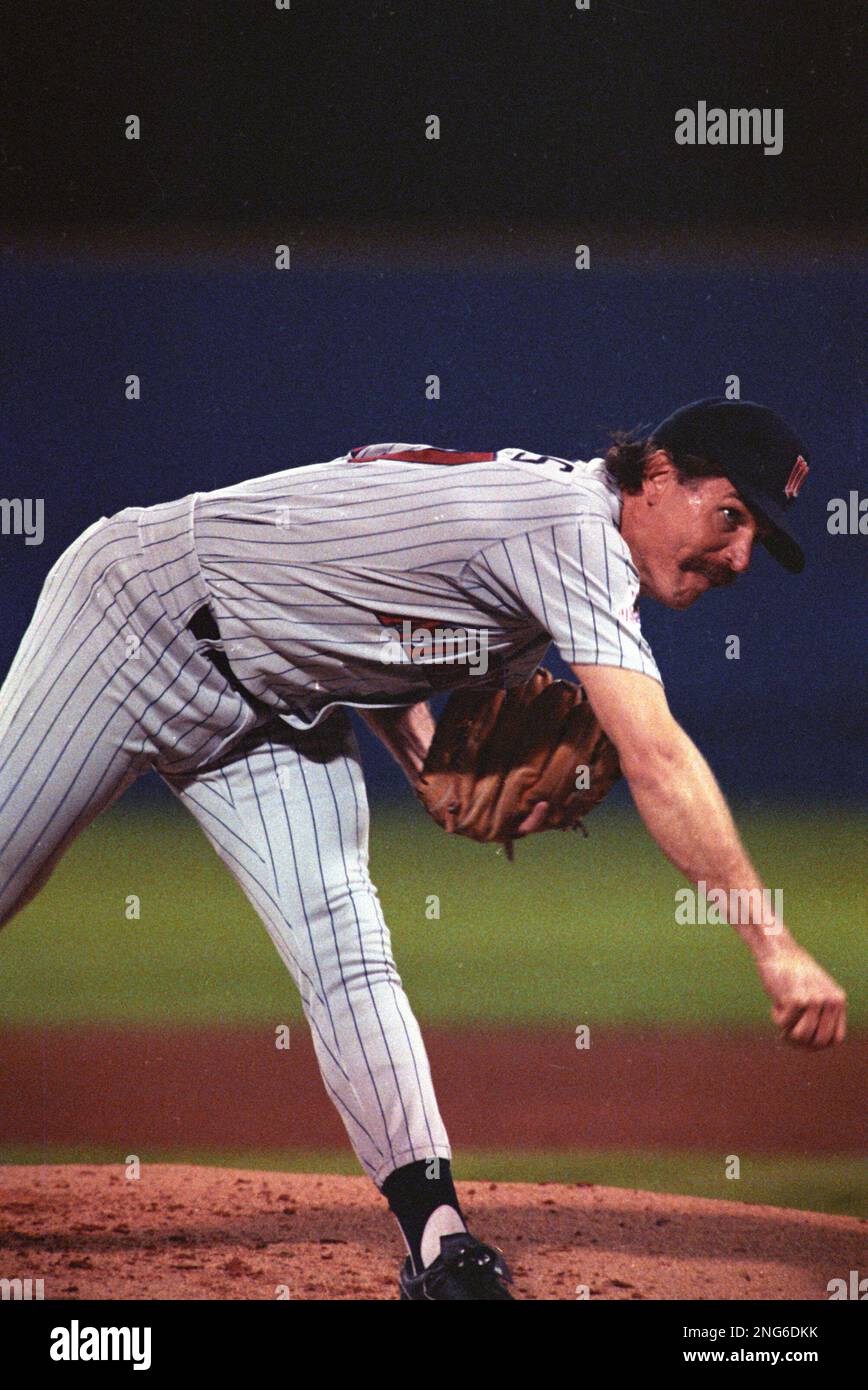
(548, 113)
(454, 256)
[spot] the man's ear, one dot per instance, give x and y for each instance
(659, 472)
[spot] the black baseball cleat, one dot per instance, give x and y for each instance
(465, 1270)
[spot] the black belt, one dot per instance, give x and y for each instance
(203, 626)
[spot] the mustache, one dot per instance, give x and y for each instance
(719, 576)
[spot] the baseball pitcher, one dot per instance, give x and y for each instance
(219, 638)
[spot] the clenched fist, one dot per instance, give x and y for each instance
(809, 1007)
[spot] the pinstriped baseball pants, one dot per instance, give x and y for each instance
(108, 683)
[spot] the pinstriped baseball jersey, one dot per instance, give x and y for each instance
(357, 581)
(328, 580)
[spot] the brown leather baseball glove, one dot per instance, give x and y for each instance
(494, 756)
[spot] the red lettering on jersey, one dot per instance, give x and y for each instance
(398, 619)
(427, 456)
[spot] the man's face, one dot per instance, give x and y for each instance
(690, 537)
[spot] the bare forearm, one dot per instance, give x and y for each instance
(684, 809)
(682, 806)
(406, 732)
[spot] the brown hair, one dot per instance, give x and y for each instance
(627, 455)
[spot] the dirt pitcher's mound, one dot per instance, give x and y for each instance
(184, 1232)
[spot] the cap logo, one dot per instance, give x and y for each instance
(796, 478)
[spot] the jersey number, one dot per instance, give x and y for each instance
(545, 458)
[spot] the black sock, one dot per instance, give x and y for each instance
(413, 1195)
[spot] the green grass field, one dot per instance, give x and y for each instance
(573, 924)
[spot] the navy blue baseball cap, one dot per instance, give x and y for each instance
(759, 453)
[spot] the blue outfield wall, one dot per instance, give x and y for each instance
(248, 372)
